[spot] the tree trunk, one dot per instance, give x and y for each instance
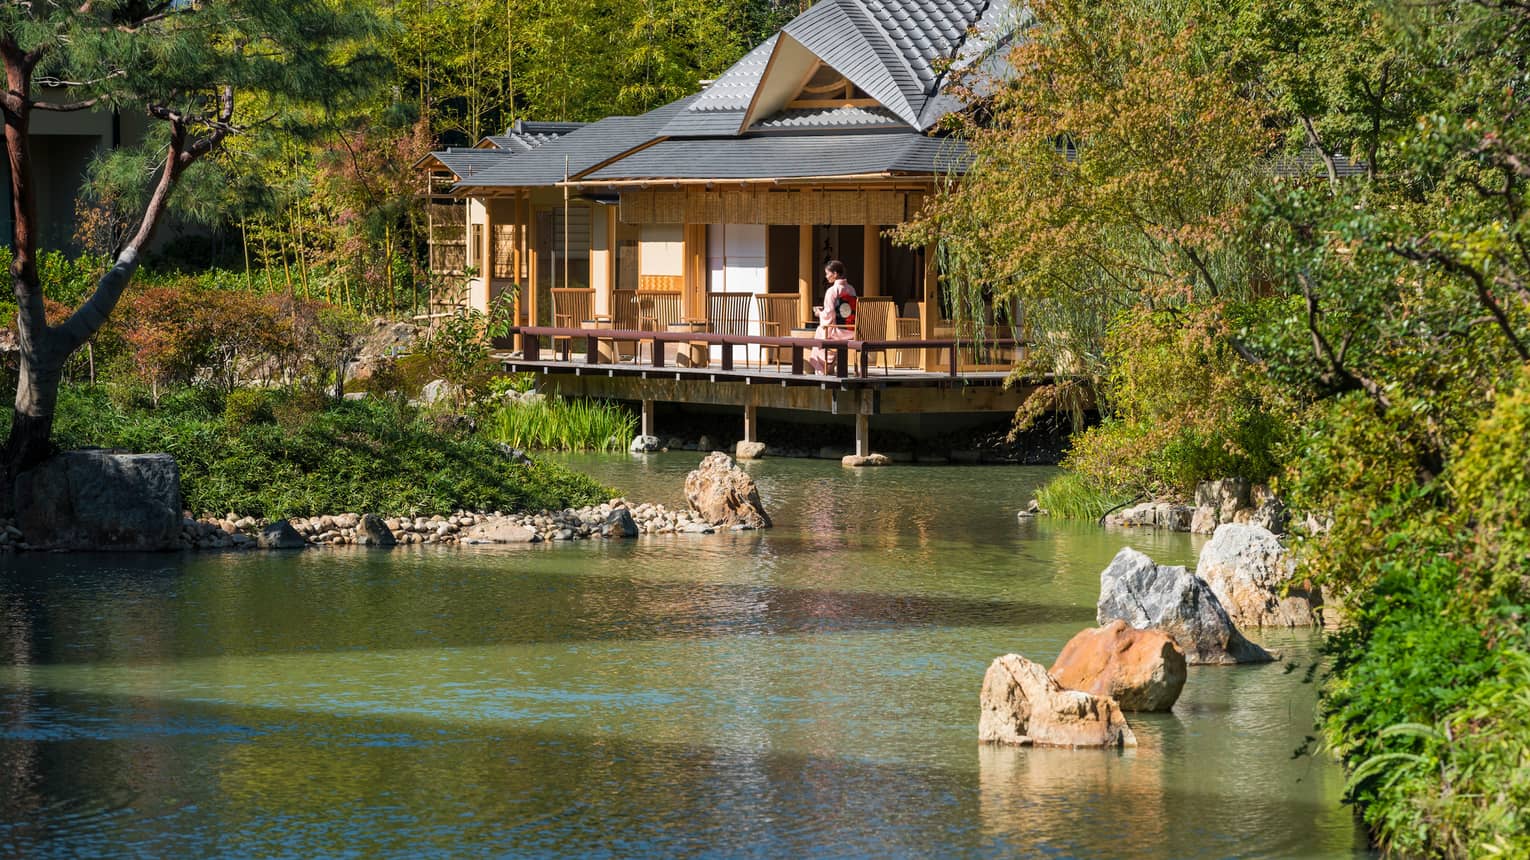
(31, 438)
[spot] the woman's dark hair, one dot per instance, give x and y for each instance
(836, 267)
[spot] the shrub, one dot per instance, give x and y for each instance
(370, 455)
(1183, 408)
(246, 406)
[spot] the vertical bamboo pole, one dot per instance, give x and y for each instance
(805, 272)
(929, 311)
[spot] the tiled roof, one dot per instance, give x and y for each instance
(829, 118)
(464, 162)
(1309, 162)
(576, 151)
(788, 156)
(892, 49)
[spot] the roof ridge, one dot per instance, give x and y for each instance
(892, 44)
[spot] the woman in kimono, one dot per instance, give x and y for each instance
(836, 316)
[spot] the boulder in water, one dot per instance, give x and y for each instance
(724, 495)
(1143, 670)
(1160, 597)
(1250, 572)
(1022, 704)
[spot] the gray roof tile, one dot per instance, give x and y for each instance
(830, 118)
(788, 156)
(576, 151)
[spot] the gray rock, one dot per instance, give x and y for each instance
(644, 444)
(749, 450)
(280, 535)
(675, 443)
(854, 461)
(723, 494)
(1226, 496)
(375, 531)
(706, 443)
(1151, 596)
(1022, 704)
(436, 390)
(619, 524)
(355, 395)
(514, 455)
(501, 531)
(94, 500)
(1251, 574)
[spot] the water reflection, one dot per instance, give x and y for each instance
(811, 689)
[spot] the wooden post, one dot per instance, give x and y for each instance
(487, 252)
(612, 227)
(929, 312)
(862, 434)
(806, 274)
(534, 274)
(872, 277)
(751, 423)
(648, 413)
(694, 254)
(520, 260)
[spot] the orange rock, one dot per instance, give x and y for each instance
(1143, 670)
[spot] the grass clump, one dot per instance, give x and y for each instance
(562, 425)
(317, 456)
(1071, 496)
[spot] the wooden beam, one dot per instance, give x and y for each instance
(929, 311)
(872, 254)
(806, 280)
(534, 274)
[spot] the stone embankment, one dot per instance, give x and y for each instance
(613, 519)
(1217, 503)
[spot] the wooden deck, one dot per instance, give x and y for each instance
(716, 370)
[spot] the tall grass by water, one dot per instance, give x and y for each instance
(1074, 497)
(563, 425)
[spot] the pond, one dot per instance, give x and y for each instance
(805, 691)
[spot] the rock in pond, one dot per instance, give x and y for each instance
(749, 450)
(619, 524)
(1250, 572)
(375, 531)
(856, 461)
(280, 535)
(1154, 596)
(1022, 704)
(97, 500)
(644, 444)
(1143, 670)
(724, 495)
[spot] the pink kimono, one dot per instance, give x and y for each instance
(836, 321)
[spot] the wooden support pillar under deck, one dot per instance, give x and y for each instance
(805, 273)
(872, 254)
(751, 423)
(862, 434)
(929, 311)
(647, 428)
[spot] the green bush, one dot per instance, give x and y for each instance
(1182, 408)
(244, 406)
(369, 455)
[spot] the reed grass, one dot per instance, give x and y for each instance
(563, 425)
(1072, 496)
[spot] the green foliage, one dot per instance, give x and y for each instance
(562, 425)
(1183, 408)
(324, 457)
(457, 348)
(1072, 496)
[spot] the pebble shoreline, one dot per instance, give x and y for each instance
(586, 523)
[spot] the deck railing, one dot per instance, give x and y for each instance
(533, 337)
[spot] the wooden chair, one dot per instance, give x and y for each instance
(656, 311)
(624, 317)
(571, 307)
(779, 314)
(728, 313)
(874, 320)
(908, 329)
(661, 284)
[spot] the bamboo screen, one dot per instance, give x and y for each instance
(764, 207)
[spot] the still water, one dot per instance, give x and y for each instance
(806, 691)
